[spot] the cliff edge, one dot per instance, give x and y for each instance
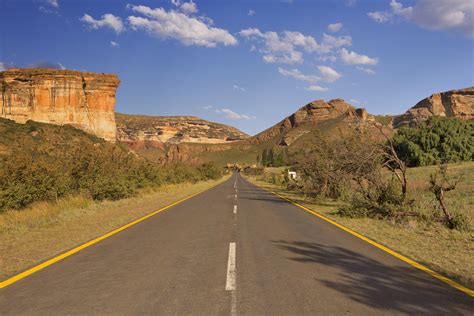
(84, 100)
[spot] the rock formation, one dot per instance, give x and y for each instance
(140, 131)
(312, 113)
(84, 100)
(453, 103)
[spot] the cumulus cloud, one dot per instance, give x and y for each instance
(367, 70)
(113, 44)
(352, 58)
(3, 66)
(335, 27)
(380, 16)
(326, 58)
(287, 46)
(328, 74)
(456, 15)
(107, 20)
(298, 75)
(54, 3)
(251, 12)
(316, 88)
(227, 113)
(189, 7)
(189, 30)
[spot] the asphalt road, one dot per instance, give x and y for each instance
(232, 251)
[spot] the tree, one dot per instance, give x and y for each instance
(392, 162)
(270, 157)
(264, 157)
(440, 184)
(438, 139)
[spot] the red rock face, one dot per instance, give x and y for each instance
(84, 100)
(454, 103)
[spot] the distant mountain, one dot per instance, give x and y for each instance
(453, 103)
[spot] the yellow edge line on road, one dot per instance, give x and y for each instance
(382, 247)
(66, 254)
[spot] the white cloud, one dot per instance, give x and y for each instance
(108, 20)
(367, 70)
(54, 3)
(251, 12)
(329, 74)
(3, 67)
(227, 113)
(287, 46)
(326, 58)
(330, 42)
(456, 15)
(298, 75)
(208, 107)
(189, 7)
(114, 44)
(236, 87)
(380, 16)
(335, 27)
(316, 88)
(352, 58)
(177, 25)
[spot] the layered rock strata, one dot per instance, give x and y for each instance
(84, 100)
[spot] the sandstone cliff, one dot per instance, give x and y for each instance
(84, 100)
(453, 103)
(312, 113)
(141, 131)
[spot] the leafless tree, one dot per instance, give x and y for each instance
(439, 185)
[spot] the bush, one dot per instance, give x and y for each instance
(436, 140)
(380, 201)
(67, 161)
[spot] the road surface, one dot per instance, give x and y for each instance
(232, 250)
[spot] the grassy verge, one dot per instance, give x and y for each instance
(45, 229)
(449, 252)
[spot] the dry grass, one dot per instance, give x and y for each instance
(449, 252)
(44, 230)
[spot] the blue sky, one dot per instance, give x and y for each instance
(249, 63)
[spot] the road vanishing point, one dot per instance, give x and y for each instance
(232, 250)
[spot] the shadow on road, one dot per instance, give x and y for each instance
(398, 289)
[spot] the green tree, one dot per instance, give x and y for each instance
(436, 140)
(264, 157)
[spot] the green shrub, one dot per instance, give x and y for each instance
(436, 140)
(60, 161)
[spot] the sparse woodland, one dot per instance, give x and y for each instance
(370, 178)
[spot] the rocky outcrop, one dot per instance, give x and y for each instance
(312, 113)
(453, 103)
(84, 100)
(141, 131)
